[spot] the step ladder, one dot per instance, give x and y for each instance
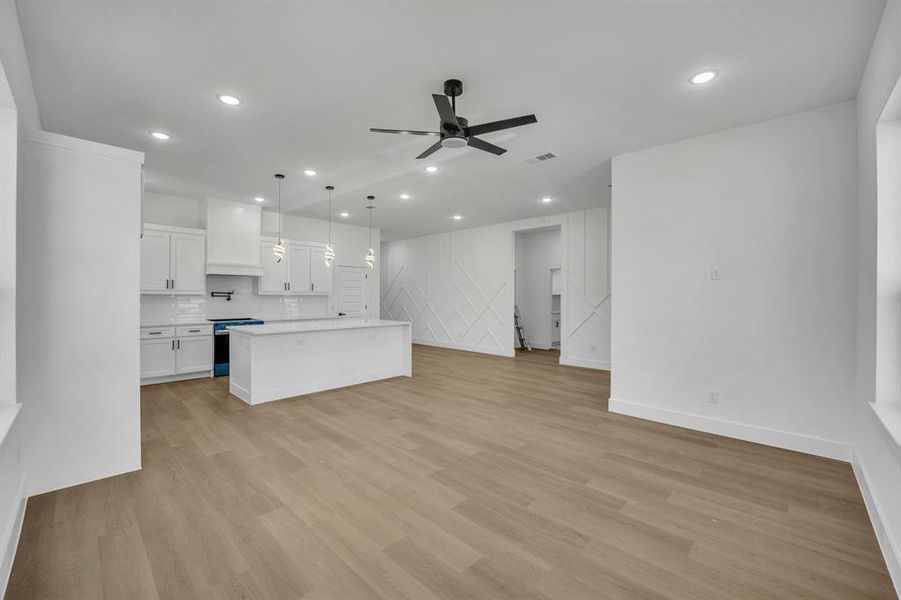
(520, 332)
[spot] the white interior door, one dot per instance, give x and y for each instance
(188, 263)
(353, 284)
(154, 261)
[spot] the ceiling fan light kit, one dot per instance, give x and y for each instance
(454, 131)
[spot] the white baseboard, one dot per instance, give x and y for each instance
(741, 431)
(465, 347)
(890, 550)
(587, 363)
(171, 378)
(10, 540)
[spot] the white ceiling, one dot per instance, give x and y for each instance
(603, 78)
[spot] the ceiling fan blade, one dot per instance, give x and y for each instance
(498, 125)
(403, 131)
(445, 111)
(483, 145)
(430, 150)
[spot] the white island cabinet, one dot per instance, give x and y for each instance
(281, 360)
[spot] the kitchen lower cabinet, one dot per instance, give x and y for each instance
(193, 354)
(170, 352)
(157, 358)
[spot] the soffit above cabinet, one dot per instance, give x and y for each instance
(233, 238)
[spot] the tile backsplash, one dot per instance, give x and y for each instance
(244, 303)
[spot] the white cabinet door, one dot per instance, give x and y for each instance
(194, 354)
(188, 263)
(155, 262)
(299, 281)
(157, 358)
(274, 276)
(320, 273)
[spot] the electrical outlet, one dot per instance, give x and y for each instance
(715, 274)
(713, 398)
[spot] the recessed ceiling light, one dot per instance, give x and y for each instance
(703, 77)
(160, 135)
(230, 100)
(458, 217)
(405, 196)
(258, 199)
(431, 169)
(309, 172)
(345, 215)
(547, 199)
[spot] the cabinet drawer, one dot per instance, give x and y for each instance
(152, 333)
(195, 330)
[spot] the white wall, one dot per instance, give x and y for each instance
(537, 252)
(350, 242)
(457, 287)
(78, 257)
(877, 456)
(771, 206)
(12, 474)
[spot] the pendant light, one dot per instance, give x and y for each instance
(370, 257)
(279, 248)
(329, 251)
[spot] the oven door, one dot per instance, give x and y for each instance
(220, 353)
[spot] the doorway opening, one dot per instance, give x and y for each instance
(537, 293)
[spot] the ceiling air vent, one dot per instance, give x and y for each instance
(541, 157)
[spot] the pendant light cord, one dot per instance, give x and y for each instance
(278, 180)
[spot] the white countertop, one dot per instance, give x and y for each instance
(317, 325)
(175, 323)
(204, 321)
(283, 318)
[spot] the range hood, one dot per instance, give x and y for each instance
(233, 238)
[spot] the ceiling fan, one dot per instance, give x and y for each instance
(455, 131)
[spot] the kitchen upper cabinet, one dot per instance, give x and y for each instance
(173, 260)
(299, 280)
(320, 273)
(154, 261)
(188, 263)
(301, 271)
(274, 279)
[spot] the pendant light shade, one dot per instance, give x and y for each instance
(370, 256)
(279, 248)
(329, 250)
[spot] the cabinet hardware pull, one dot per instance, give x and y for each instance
(193, 331)
(173, 344)
(154, 332)
(179, 345)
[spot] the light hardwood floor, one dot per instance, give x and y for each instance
(480, 477)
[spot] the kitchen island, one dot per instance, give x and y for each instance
(281, 360)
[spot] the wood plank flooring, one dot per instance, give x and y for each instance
(481, 477)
